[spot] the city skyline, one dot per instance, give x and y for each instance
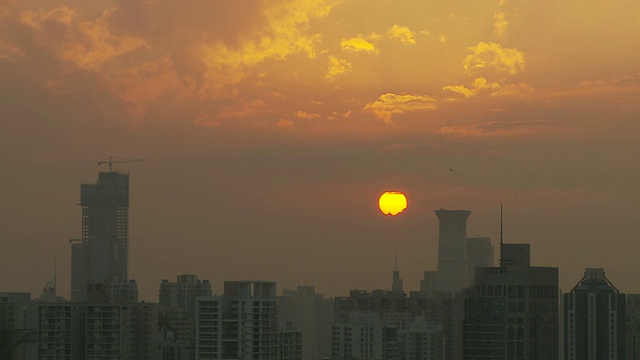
(270, 128)
(446, 225)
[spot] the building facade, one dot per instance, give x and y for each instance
(421, 340)
(633, 326)
(595, 319)
(178, 305)
(512, 311)
(479, 254)
(312, 315)
(241, 324)
(72, 331)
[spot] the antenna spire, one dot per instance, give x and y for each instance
(396, 260)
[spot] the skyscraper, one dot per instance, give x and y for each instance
(452, 250)
(512, 311)
(102, 254)
(479, 254)
(595, 319)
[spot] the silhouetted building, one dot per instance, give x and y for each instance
(241, 324)
(428, 283)
(368, 335)
(383, 315)
(378, 301)
(512, 311)
(178, 305)
(633, 326)
(452, 250)
(312, 315)
(389, 336)
(290, 342)
(60, 331)
(421, 340)
(479, 254)
(73, 331)
(18, 334)
(103, 251)
(595, 319)
(112, 292)
(396, 285)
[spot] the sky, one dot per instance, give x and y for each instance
(270, 128)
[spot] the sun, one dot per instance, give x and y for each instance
(392, 203)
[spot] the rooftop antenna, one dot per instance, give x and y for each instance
(396, 260)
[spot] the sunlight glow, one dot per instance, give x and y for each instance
(392, 203)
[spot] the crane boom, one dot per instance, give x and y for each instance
(111, 162)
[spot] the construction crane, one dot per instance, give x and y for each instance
(111, 162)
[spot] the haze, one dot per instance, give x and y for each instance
(269, 129)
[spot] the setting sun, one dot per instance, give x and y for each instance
(392, 203)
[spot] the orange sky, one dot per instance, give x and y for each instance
(270, 128)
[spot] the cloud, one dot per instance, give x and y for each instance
(88, 44)
(339, 115)
(481, 85)
(625, 85)
(492, 56)
(283, 34)
(402, 33)
(10, 52)
(207, 120)
(358, 43)
(337, 67)
(305, 115)
(389, 104)
(503, 128)
(285, 124)
(242, 110)
(500, 23)
(141, 85)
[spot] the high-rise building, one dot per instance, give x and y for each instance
(421, 340)
(368, 335)
(71, 331)
(452, 250)
(512, 311)
(479, 254)
(60, 334)
(102, 253)
(396, 285)
(428, 283)
(290, 342)
(633, 326)
(178, 304)
(312, 315)
(595, 319)
(389, 336)
(184, 292)
(113, 291)
(18, 336)
(241, 324)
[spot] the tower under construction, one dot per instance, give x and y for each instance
(101, 257)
